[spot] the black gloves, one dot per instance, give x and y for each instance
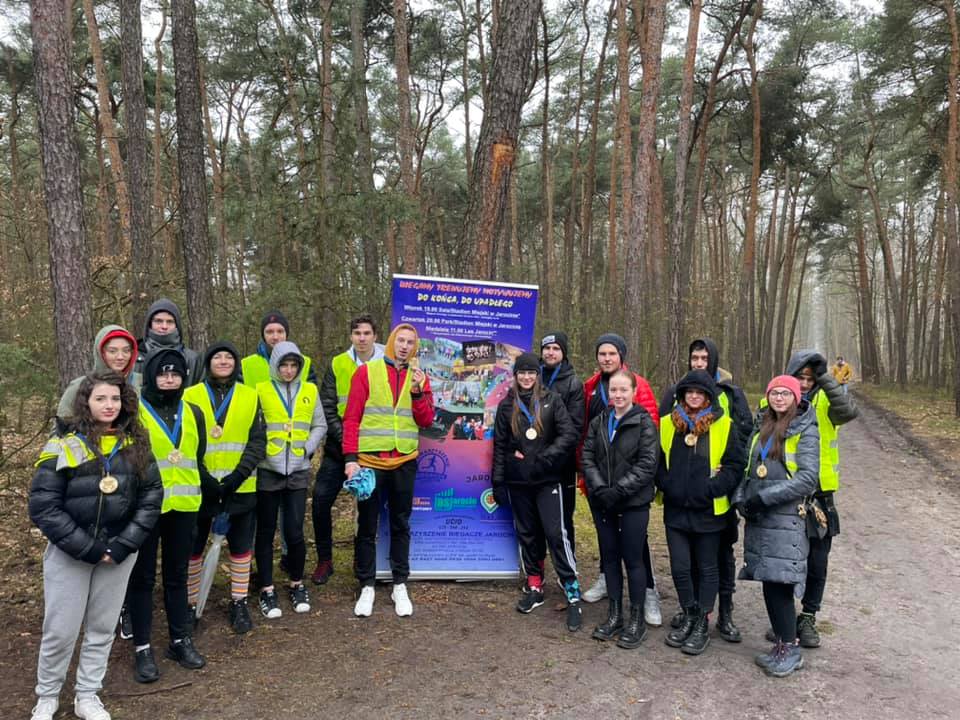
(605, 497)
(753, 505)
(501, 496)
(818, 363)
(231, 483)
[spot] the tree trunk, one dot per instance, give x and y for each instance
(109, 128)
(69, 275)
(646, 158)
(546, 177)
(950, 181)
(624, 159)
(358, 69)
(135, 124)
(497, 144)
(405, 137)
(219, 190)
(193, 181)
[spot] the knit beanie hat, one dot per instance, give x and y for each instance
(617, 341)
(786, 381)
(526, 361)
(173, 362)
(558, 338)
(274, 316)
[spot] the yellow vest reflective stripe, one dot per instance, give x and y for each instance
(719, 434)
(223, 454)
(70, 451)
(283, 430)
(829, 445)
(343, 367)
(181, 479)
(256, 369)
(790, 446)
(386, 427)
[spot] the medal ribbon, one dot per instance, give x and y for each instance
(172, 435)
(691, 424)
(553, 375)
(523, 407)
(219, 412)
(286, 405)
(96, 451)
(603, 393)
(766, 449)
(612, 423)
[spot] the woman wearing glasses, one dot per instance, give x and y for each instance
(113, 349)
(782, 470)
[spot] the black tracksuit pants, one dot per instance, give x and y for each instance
(293, 504)
(538, 518)
(396, 487)
(623, 537)
(689, 549)
(778, 597)
(175, 531)
(329, 482)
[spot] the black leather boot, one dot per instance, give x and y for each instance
(728, 631)
(635, 630)
(146, 670)
(186, 654)
(676, 638)
(614, 624)
(677, 620)
(699, 637)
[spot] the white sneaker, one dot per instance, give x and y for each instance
(89, 707)
(401, 600)
(364, 606)
(45, 708)
(651, 608)
(598, 591)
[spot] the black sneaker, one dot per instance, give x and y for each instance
(270, 604)
(126, 624)
(531, 599)
(574, 617)
(807, 630)
(186, 654)
(240, 619)
(300, 599)
(145, 667)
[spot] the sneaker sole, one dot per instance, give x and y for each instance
(301, 609)
(272, 614)
(532, 608)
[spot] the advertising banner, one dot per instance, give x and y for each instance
(470, 333)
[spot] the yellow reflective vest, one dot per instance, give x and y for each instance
(386, 426)
(790, 446)
(286, 429)
(343, 367)
(223, 454)
(718, 436)
(178, 464)
(256, 369)
(829, 442)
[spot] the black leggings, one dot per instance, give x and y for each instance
(778, 598)
(623, 538)
(817, 560)
(294, 504)
(689, 549)
(239, 536)
(647, 557)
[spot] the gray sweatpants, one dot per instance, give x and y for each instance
(77, 593)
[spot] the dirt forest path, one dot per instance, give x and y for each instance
(890, 640)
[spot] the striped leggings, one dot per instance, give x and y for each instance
(240, 540)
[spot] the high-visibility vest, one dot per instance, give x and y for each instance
(790, 446)
(283, 428)
(256, 369)
(70, 451)
(177, 464)
(718, 436)
(223, 454)
(343, 367)
(829, 442)
(386, 426)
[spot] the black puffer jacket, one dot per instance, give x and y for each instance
(546, 457)
(629, 463)
(569, 387)
(65, 505)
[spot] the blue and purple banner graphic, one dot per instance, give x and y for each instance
(470, 333)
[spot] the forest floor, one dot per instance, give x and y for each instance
(890, 649)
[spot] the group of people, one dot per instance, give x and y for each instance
(706, 458)
(158, 441)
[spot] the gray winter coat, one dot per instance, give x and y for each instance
(775, 542)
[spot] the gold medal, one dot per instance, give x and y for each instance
(174, 456)
(288, 427)
(531, 434)
(108, 484)
(761, 471)
(216, 432)
(690, 439)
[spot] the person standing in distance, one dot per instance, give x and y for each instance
(334, 391)
(389, 401)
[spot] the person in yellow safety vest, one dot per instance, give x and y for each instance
(701, 464)
(236, 443)
(389, 401)
(782, 463)
(178, 440)
(96, 497)
(295, 429)
(255, 368)
(334, 389)
(834, 407)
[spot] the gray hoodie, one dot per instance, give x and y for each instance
(287, 463)
(152, 341)
(65, 406)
